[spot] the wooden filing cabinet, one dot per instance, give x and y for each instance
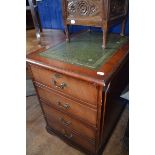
(97, 13)
(77, 102)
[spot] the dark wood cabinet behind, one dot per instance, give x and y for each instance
(97, 13)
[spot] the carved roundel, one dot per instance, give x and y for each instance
(82, 7)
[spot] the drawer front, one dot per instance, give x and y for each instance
(66, 84)
(72, 136)
(68, 122)
(68, 106)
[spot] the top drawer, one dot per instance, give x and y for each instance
(77, 88)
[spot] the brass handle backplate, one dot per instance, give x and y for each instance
(57, 75)
(61, 86)
(64, 122)
(69, 136)
(63, 106)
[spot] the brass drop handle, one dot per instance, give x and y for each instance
(64, 122)
(65, 106)
(69, 136)
(61, 86)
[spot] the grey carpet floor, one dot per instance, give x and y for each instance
(30, 91)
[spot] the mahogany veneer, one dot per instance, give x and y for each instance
(78, 103)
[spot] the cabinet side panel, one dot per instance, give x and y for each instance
(113, 104)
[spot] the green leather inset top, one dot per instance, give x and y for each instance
(85, 49)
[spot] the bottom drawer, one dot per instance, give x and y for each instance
(67, 133)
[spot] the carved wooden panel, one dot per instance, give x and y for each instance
(83, 8)
(97, 13)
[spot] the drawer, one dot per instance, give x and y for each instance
(68, 122)
(77, 88)
(90, 146)
(68, 106)
(67, 133)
